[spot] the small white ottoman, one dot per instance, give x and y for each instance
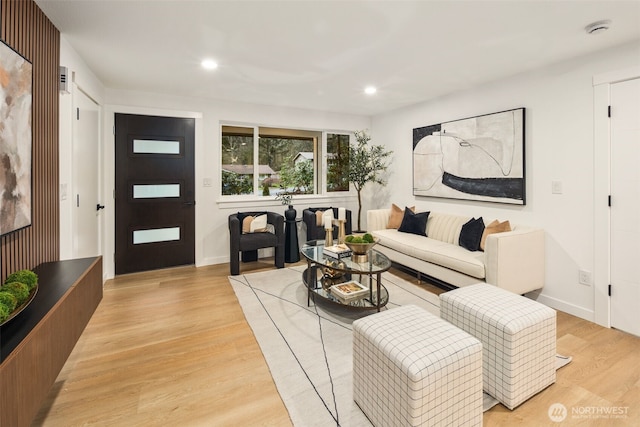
(411, 368)
(518, 338)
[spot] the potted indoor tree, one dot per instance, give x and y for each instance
(366, 163)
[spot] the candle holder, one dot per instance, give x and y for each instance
(328, 237)
(341, 231)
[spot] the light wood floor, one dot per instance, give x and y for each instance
(172, 347)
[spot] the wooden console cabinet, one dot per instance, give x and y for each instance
(36, 344)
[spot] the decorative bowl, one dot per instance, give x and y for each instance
(21, 307)
(360, 249)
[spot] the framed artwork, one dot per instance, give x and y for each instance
(479, 158)
(15, 140)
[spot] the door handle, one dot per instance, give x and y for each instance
(99, 206)
(191, 203)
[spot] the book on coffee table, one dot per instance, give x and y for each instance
(337, 251)
(349, 291)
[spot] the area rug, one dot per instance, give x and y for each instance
(309, 348)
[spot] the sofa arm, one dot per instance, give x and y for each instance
(377, 219)
(515, 260)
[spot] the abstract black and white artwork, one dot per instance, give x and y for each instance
(15, 140)
(479, 158)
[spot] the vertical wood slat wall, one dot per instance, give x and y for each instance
(25, 28)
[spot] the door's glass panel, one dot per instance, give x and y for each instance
(156, 235)
(152, 191)
(150, 146)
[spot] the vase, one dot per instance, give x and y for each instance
(290, 214)
(291, 252)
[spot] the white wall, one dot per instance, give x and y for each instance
(212, 235)
(559, 139)
(80, 78)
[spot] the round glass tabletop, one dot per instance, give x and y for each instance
(377, 262)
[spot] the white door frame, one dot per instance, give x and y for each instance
(77, 178)
(602, 189)
(68, 168)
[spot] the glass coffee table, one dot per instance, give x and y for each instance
(324, 271)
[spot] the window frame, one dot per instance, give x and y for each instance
(320, 167)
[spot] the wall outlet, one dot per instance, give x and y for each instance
(584, 277)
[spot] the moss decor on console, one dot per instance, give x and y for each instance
(16, 291)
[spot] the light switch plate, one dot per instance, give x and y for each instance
(556, 187)
(584, 277)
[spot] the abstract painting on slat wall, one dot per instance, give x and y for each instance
(15, 140)
(479, 158)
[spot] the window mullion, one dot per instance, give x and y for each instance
(323, 165)
(256, 160)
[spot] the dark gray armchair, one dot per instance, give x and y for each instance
(248, 244)
(315, 232)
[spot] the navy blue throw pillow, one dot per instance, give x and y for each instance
(414, 223)
(471, 234)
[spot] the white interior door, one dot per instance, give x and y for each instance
(86, 216)
(625, 206)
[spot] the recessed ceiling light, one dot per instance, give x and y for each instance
(598, 27)
(370, 90)
(209, 64)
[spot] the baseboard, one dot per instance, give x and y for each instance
(212, 261)
(566, 307)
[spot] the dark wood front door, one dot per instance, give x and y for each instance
(155, 199)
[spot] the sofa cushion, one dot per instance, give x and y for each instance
(494, 227)
(434, 251)
(446, 227)
(396, 215)
(414, 223)
(471, 234)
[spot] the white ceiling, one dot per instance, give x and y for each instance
(321, 54)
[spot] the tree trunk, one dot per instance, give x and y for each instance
(359, 208)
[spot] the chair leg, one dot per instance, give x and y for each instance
(234, 264)
(279, 261)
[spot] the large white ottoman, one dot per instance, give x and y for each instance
(518, 338)
(411, 368)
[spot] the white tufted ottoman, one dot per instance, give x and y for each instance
(518, 338)
(411, 368)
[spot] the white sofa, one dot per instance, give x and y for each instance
(512, 260)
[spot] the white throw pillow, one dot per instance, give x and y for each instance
(258, 224)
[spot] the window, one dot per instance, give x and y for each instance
(287, 160)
